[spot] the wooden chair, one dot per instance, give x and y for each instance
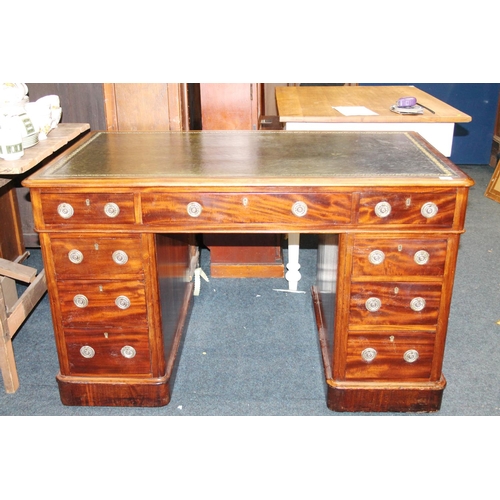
(14, 310)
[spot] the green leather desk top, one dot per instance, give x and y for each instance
(251, 158)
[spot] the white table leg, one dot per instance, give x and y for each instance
(293, 275)
(327, 267)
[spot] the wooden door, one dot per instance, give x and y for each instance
(231, 106)
(146, 106)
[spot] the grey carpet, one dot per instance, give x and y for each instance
(250, 350)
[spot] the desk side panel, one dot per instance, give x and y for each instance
(176, 257)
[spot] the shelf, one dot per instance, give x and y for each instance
(57, 138)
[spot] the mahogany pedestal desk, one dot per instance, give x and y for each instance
(116, 214)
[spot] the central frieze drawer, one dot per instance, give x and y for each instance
(88, 208)
(114, 303)
(227, 210)
(84, 257)
(108, 352)
(394, 303)
(436, 208)
(398, 256)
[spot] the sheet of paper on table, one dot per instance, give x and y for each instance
(354, 110)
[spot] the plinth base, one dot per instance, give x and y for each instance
(80, 391)
(352, 397)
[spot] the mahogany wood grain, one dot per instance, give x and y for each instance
(259, 211)
(108, 391)
(108, 360)
(396, 297)
(365, 395)
(90, 208)
(406, 207)
(176, 257)
(399, 256)
(101, 308)
(253, 192)
(97, 256)
(385, 396)
(389, 363)
(231, 106)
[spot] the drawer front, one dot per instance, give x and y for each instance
(108, 352)
(435, 208)
(88, 208)
(200, 211)
(398, 257)
(394, 303)
(109, 303)
(389, 355)
(81, 257)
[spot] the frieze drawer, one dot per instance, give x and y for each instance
(429, 208)
(112, 303)
(88, 208)
(389, 355)
(108, 352)
(84, 257)
(191, 211)
(398, 256)
(394, 303)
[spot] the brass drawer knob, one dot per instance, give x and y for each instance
(299, 209)
(80, 301)
(87, 352)
(111, 209)
(75, 256)
(376, 257)
(373, 304)
(120, 257)
(417, 304)
(122, 302)
(410, 356)
(382, 209)
(368, 354)
(429, 210)
(421, 257)
(65, 210)
(194, 209)
(128, 351)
